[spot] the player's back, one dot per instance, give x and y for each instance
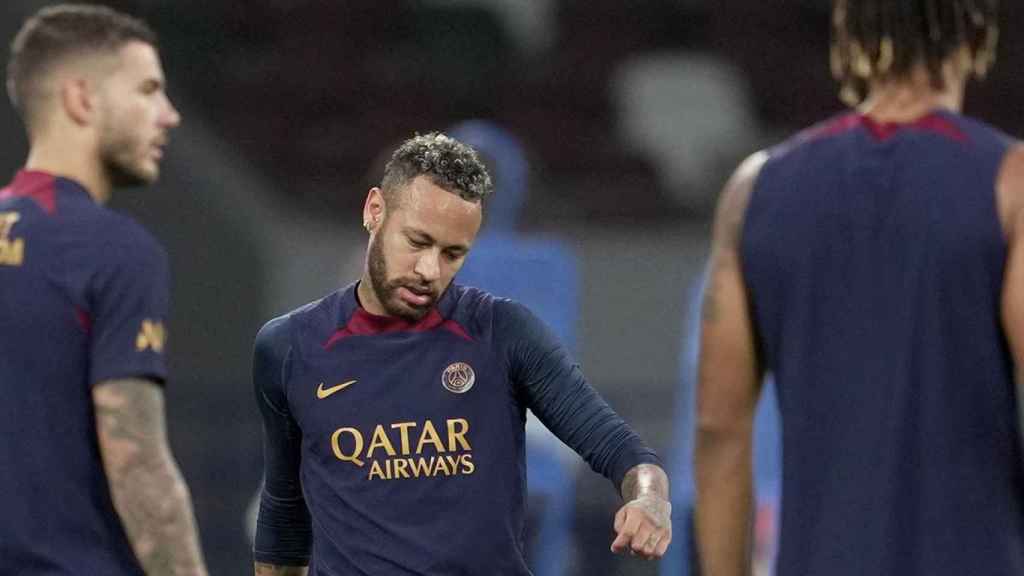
(57, 513)
(874, 258)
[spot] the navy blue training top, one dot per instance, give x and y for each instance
(84, 301)
(397, 449)
(874, 256)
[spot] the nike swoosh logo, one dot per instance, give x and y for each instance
(322, 392)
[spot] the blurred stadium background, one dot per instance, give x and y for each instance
(632, 113)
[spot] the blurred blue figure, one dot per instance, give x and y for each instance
(543, 274)
(681, 560)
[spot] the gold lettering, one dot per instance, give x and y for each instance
(380, 440)
(429, 436)
(404, 427)
(12, 252)
(421, 466)
(7, 221)
(357, 439)
(441, 465)
(400, 466)
(375, 469)
(467, 464)
(151, 335)
(458, 437)
(389, 456)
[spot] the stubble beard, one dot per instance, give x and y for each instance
(120, 162)
(385, 290)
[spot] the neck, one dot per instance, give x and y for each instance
(368, 298)
(908, 98)
(67, 159)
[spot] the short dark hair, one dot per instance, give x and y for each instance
(883, 39)
(448, 163)
(57, 32)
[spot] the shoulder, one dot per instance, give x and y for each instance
(470, 298)
(270, 355)
(517, 322)
(320, 316)
(470, 307)
(471, 304)
(118, 254)
(1010, 190)
(824, 131)
(273, 334)
(303, 315)
(746, 173)
(978, 129)
(270, 349)
(735, 196)
(508, 310)
(120, 239)
(481, 312)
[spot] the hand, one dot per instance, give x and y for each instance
(644, 527)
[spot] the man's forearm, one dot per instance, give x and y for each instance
(147, 488)
(724, 502)
(270, 570)
(156, 510)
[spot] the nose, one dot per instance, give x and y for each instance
(171, 117)
(428, 266)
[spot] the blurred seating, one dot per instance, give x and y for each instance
(312, 90)
(691, 114)
(529, 23)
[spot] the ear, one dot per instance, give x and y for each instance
(77, 100)
(374, 209)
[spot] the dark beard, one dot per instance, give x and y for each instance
(121, 176)
(384, 290)
(116, 155)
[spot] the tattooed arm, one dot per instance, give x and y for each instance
(148, 491)
(728, 387)
(268, 570)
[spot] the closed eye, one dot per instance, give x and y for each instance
(151, 86)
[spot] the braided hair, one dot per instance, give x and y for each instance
(884, 39)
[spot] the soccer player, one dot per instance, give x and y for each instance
(394, 409)
(875, 265)
(88, 484)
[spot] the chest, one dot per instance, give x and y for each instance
(401, 395)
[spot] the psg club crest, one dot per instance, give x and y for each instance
(458, 377)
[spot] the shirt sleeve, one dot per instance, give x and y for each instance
(129, 304)
(283, 527)
(556, 391)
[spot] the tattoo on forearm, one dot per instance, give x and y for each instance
(629, 484)
(146, 486)
(644, 479)
(270, 570)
